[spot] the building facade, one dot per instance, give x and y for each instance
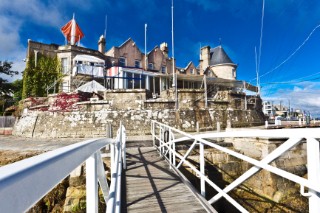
(127, 67)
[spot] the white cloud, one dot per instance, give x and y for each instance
(15, 14)
(305, 96)
(32, 10)
(9, 36)
(10, 48)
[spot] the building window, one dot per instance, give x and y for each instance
(64, 65)
(122, 62)
(163, 69)
(130, 80)
(137, 64)
(136, 79)
(150, 66)
(192, 71)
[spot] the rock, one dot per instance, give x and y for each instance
(277, 196)
(75, 199)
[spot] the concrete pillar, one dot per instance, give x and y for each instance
(219, 130)
(228, 124)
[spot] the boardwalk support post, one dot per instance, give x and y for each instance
(92, 184)
(313, 173)
(202, 170)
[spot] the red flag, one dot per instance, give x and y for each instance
(66, 30)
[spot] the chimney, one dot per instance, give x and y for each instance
(205, 58)
(102, 44)
(164, 48)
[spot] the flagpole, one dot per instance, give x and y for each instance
(73, 31)
(105, 27)
(174, 80)
(145, 46)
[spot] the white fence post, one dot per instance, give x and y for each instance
(92, 184)
(202, 170)
(170, 147)
(153, 133)
(160, 140)
(112, 155)
(119, 173)
(313, 157)
(123, 143)
(174, 150)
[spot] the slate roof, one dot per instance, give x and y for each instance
(219, 56)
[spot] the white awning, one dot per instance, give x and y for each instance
(91, 86)
(88, 58)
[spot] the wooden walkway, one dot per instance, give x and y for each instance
(152, 187)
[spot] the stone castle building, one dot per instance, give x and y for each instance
(139, 88)
(126, 67)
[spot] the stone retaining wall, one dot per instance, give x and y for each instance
(91, 121)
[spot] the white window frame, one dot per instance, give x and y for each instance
(64, 65)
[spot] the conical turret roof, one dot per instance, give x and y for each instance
(219, 56)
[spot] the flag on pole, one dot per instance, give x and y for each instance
(72, 31)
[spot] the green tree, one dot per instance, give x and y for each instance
(5, 68)
(17, 89)
(37, 77)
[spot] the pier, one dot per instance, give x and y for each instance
(148, 179)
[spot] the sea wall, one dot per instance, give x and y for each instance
(92, 120)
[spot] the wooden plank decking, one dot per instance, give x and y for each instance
(152, 187)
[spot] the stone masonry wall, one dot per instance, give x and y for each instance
(126, 99)
(92, 120)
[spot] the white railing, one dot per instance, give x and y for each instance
(165, 140)
(25, 182)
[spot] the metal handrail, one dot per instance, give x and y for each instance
(25, 182)
(294, 137)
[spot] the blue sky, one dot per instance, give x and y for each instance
(287, 25)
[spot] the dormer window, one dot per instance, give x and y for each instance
(192, 71)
